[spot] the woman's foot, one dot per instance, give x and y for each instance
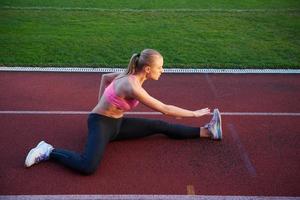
(39, 153)
(215, 126)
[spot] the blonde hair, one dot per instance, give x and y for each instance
(139, 60)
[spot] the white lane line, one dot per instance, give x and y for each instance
(37, 112)
(261, 114)
(244, 155)
(167, 70)
(146, 197)
(149, 10)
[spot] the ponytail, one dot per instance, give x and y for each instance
(134, 61)
(139, 60)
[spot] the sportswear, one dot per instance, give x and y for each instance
(121, 103)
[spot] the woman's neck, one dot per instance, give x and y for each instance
(141, 77)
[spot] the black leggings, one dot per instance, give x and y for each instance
(102, 130)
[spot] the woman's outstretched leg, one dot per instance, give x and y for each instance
(140, 127)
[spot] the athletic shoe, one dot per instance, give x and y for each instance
(215, 126)
(39, 153)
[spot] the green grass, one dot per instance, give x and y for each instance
(215, 38)
(158, 4)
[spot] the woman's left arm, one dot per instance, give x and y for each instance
(106, 79)
(141, 95)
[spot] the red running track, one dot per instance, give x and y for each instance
(258, 156)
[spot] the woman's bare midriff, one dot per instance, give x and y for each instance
(104, 108)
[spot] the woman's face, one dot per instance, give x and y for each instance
(156, 69)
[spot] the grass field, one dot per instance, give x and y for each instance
(190, 33)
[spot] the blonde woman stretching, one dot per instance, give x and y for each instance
(120, 92)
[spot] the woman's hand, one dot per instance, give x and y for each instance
(199, 113)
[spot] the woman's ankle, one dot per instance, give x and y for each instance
(204, 133)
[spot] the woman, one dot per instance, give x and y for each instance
(120, 92)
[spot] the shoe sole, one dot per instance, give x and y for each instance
(30, 154)
(219, 124)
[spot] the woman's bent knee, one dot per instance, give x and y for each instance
(89, 167)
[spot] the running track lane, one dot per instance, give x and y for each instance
(258, 156)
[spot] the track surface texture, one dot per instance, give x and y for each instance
(258, 156)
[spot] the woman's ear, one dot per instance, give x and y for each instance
(147, 69)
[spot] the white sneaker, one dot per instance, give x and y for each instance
(39, 153)
(215, 126)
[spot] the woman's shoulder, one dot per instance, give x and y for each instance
(133, 82)
(125, 83)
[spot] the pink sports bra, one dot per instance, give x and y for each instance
(121, 103)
